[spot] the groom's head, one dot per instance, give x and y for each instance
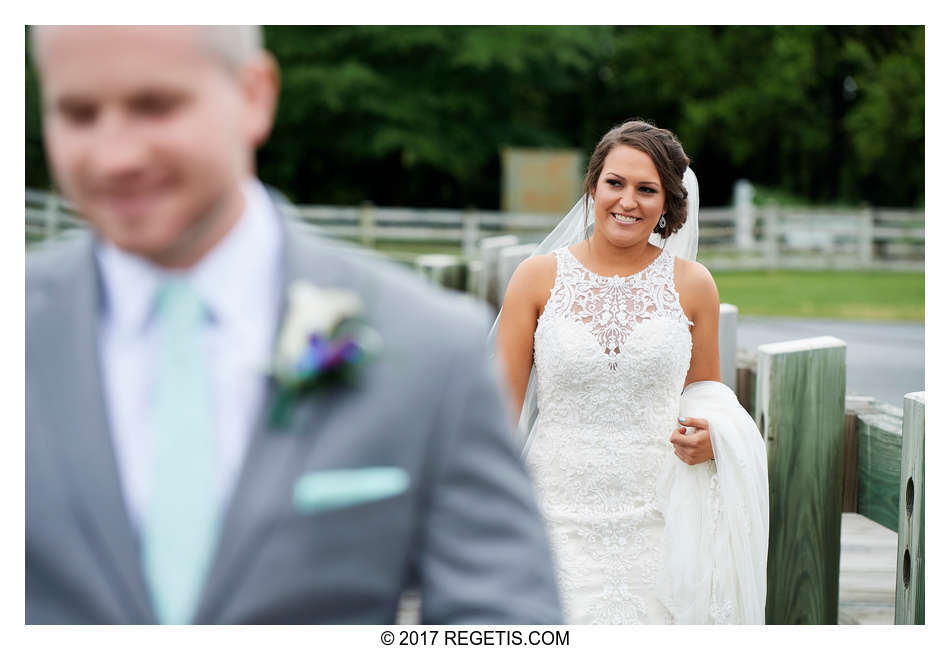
(151, 130)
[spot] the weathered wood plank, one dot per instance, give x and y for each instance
(909, 605)
(866, 586)
(879, 464)
(800, 410)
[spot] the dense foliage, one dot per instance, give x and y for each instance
(417, 115)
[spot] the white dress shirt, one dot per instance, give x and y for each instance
(239, 281)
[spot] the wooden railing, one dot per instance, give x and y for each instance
(735, 237)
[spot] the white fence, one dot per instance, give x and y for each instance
(771, 236)
(742, 237)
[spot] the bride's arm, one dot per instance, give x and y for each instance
(524, 301)
(699, 298)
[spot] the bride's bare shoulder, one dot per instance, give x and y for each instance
(534, 277)
(540, 266)
(690, 272)
(695, 284)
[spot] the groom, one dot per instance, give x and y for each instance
(169, 477)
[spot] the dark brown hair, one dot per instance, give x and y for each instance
(667, 155)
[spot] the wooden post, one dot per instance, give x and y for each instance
(474, 277)
(490, 250)
(470, 230)
(728, 328)
(866, 237)
(444, 270)
(508, 261)
(367, 225)
(909, 603)
(771, 235)
(745, 217)
(800, 411)
(745, 380)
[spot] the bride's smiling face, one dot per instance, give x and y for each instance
(628, 198)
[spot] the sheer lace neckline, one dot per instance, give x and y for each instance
(642, 271)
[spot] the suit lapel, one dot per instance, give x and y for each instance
(274, 458)
(77, 421)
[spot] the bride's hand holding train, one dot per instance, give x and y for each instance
(692, 448)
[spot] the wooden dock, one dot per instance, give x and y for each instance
(868, 572)
(867, 581)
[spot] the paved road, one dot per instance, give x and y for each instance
(885, 360)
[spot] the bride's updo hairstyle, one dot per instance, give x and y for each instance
(667, 155)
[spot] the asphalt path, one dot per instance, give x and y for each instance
(885, 360)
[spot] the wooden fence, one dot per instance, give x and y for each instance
(744, 236)
(881, 472)
(827, 454)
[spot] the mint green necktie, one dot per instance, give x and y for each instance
(181, 521)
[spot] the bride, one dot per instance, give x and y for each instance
(655, 496)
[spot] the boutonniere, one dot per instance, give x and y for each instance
(323, 341)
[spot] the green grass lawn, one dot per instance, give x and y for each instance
(849, 295)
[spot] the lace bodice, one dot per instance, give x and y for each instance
(608, 347)
(611, 355)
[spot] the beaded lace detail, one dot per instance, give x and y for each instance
(611, 355)
(611, 305)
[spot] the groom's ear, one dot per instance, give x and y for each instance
(259, 81)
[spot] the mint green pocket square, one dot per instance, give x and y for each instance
(323, 490)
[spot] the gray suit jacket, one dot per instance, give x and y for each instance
(465, 533)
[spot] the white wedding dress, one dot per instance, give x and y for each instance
(611, 355)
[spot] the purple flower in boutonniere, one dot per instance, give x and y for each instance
(323, 341)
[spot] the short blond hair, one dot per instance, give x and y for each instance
(233, 45)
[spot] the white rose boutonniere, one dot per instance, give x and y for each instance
(323, 341)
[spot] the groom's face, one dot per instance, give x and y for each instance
(149, 134)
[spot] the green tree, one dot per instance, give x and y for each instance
(886, 124)
(37, 175)
(417, 115)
